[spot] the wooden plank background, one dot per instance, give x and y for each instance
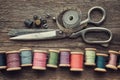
(14, 12)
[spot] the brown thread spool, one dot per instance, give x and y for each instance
(113, 60)
(39, 60)
(13, 60)
(76, 61)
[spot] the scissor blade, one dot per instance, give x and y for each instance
(17, 32)
(40, 36)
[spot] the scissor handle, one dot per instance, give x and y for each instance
(96, 8)
(85, 31)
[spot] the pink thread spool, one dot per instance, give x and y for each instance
(39, 60)
(13, 60)
(113, 60)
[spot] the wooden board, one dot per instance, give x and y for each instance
(14, 12)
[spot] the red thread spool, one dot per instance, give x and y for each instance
(13, 60)
(76, 61)
(113, 60)
(39, 60)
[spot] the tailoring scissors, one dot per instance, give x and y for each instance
(82, 31)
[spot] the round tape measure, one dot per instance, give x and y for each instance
(71, 19)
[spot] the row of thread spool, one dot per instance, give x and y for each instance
(40, 59)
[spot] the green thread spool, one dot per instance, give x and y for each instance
(101, 62)
(53, 58)
(90, 54)
(26, 57)
(119, 62)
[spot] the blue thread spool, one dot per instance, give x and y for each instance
(101, 62)
(26, 57)
(2, 60)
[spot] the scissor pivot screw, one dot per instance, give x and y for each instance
(60, 32)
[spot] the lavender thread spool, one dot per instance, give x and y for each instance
(113, 60)
(64, 58)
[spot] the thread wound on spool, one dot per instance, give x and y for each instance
(39, 60)
(90, 54)
(76, 61)
(64, 58)
(113, 60)
(26, 57)
(2, 60)
(13, 60)
(101, 62)
(119, 61)
(53, 58)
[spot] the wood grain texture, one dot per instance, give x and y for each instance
(14, 12)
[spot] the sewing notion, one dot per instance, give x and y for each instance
(64, 58)
(53, 58)
(70, 26)
(76, 61)
(39, 60)
(2, 60)
(13, 60)
(26, 57)
(101, 62)
(113, 60)
(90, 54)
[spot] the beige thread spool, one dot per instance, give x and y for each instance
(119, 62)
(90, 54)
(113, 60)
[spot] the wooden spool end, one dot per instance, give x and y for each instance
(100, 70)
(113, 52)
(118, 66)
(25, 65)
(90, 64)
(101, 54)
(111, 66)
(52, 50)
(52, 66)
(14, 69)
(39, 68)
(12, 52)
(76, 69)
(64, 50)
(64, 65)
(77, 53)
(91, 49)
(40, 51)
(25, 49)
(2, 52)
(3, 67)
